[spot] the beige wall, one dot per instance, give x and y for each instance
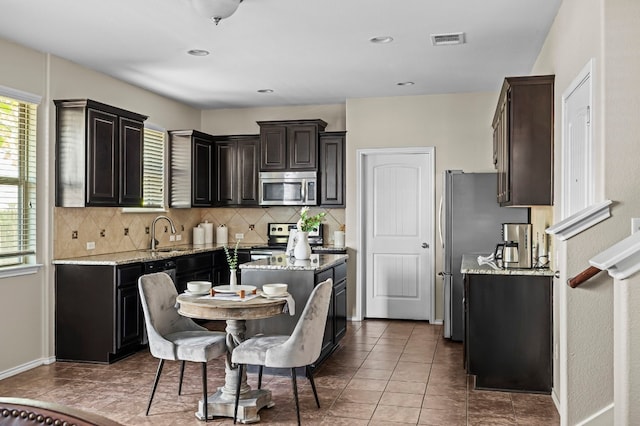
(28, 300)
(458, 126)
(584, 318)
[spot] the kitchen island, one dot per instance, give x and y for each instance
(302, 276)
(508, 326)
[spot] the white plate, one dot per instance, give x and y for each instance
(190, 293)
(227, 288)
(275, 296)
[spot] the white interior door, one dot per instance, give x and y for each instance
(578, 167)
(398, 213)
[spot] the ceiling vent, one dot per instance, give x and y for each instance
(447, 39)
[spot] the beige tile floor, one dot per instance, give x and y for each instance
(384, 373)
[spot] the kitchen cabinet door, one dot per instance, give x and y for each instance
(289, 145)
(99, 151)
(131, 162)
(236, 159)
(102, 141)
(523, 141)
(192, 173)
(331, 169)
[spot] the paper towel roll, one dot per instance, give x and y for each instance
(198, 236)
(338, 239)
(208, 231)
(222, 235)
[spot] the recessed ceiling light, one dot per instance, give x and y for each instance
(405, 83)
(265, 91)
(198, 52)
(381, 39)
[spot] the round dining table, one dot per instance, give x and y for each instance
(235, 313)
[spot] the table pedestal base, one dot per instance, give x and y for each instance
(248, 406)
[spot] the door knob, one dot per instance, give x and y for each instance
(425, 245)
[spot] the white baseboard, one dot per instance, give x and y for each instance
(604, 417)
(26, 367)
(437, 322)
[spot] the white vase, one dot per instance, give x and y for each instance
(233, 279)
(302, 250)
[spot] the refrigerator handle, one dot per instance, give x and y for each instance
(440, 223)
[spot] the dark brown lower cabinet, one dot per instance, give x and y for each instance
(508, 327)
(98, 316)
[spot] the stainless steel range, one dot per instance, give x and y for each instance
(278, 237)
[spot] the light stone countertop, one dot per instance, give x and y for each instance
(470, 266)
(135, 256)
(283, 262)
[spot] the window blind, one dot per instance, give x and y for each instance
(17, 180)
(153, 158)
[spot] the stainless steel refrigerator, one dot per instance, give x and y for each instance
(470, 223)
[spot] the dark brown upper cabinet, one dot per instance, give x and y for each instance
(523, 141)
(192, 166)
(99, 158)
(289, 145)
(236, 160)
(331, 168)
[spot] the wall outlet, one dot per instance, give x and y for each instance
(179, 237)
(91, 245)
(635, 224)
(239, 236)
(172, 237)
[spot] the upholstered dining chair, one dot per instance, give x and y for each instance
(300, 349)
(172, 336)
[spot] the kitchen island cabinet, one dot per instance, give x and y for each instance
(302, 276)
(508, 327)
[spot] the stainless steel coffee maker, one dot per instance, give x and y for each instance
(517, 245)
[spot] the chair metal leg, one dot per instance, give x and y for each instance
(260, 376)
(181, 376)
(295, 393)
(313, 385)
(155, 385)
(235, 408)
(204, 391)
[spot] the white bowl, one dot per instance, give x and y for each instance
(198, 286)
(274, 289)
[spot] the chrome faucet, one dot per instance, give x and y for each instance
(154, 242)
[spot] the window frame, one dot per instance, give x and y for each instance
(26, 183)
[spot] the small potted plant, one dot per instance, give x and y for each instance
(306, 223)
(232, 260)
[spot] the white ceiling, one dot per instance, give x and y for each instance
(307, 51)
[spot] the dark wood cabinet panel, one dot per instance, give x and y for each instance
(98, 317)
(331, 170)
(509, 331)
(99, 152)
(523, 141)
(192, 169)
(289, 145)
(302, 146)
(273, 147)
(131, 162)
(236, 159)
(103, 153)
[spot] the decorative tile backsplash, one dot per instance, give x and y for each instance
(112, 231)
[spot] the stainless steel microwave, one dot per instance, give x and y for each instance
(288, 189)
